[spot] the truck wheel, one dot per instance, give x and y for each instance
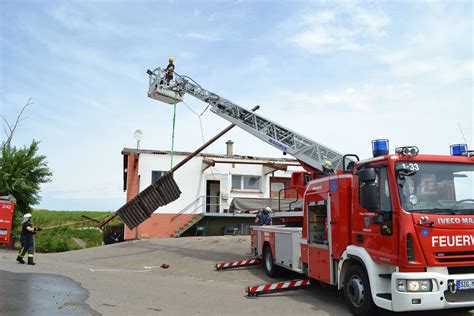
(357, 292)
(270, 268)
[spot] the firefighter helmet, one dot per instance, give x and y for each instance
(327, 165)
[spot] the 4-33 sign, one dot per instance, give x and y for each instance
(411, 166)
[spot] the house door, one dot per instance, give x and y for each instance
(213, 196)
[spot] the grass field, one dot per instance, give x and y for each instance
(60, 227)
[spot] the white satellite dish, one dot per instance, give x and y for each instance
(138, 135)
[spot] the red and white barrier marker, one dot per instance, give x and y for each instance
(277, 287)
(236, 264)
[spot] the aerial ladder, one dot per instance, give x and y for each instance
(309, 153)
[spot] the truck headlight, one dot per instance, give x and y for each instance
(414, 285)
(401, 285)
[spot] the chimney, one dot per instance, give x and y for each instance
(230, 148)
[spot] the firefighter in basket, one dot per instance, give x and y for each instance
(169, 70)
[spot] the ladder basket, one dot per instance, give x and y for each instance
(160, 89)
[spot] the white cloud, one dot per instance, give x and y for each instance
(365, 98)
(69, 18)
(438, 50)
(441, 69)
(185, 55)
(371, 23)
(346, 28)
(202, 36)
(434, 57)
(83, 19)
(255, 64)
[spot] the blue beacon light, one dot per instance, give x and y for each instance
(458, 149)
(380, 147)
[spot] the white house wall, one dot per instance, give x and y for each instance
(187, 178)
(192, 180)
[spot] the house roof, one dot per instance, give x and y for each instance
(127, 151)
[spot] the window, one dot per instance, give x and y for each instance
(380, 190)
(433, 185)
(384, 191)
(251, 183)
(236, 182)
(374, 195)
(155, 175)
(276, 187)
(318, 225)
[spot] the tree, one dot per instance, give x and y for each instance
(10, 129)
(22, 170)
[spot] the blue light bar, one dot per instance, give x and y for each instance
(380, 147)
(458, 149)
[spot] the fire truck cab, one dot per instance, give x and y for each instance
(393, 232)
(7, 207)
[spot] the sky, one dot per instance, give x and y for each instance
(339, 72)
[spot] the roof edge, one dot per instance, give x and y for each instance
(127, 150)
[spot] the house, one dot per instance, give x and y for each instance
(213, 185)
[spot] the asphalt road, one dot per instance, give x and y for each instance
(126, 279)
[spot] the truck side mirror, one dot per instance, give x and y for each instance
(368, 189)
(350, 165)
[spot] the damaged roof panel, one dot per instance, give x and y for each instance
(141, 207)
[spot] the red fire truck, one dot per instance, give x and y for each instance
(395, 231)
(7, 207)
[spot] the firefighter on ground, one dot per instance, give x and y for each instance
(263, 217)
(26, 239)
(169, 70)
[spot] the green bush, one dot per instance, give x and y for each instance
(61, 239)
(71, 225)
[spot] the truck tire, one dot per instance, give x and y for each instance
(268, 263)
(357, 293)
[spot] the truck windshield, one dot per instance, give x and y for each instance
(436, 188)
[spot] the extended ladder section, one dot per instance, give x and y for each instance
(288, 141)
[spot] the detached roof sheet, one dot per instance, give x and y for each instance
(163, 191)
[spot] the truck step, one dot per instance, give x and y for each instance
(277, 287)
(237, 264)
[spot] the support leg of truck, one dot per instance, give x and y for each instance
(277, 287)
(238, 264)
